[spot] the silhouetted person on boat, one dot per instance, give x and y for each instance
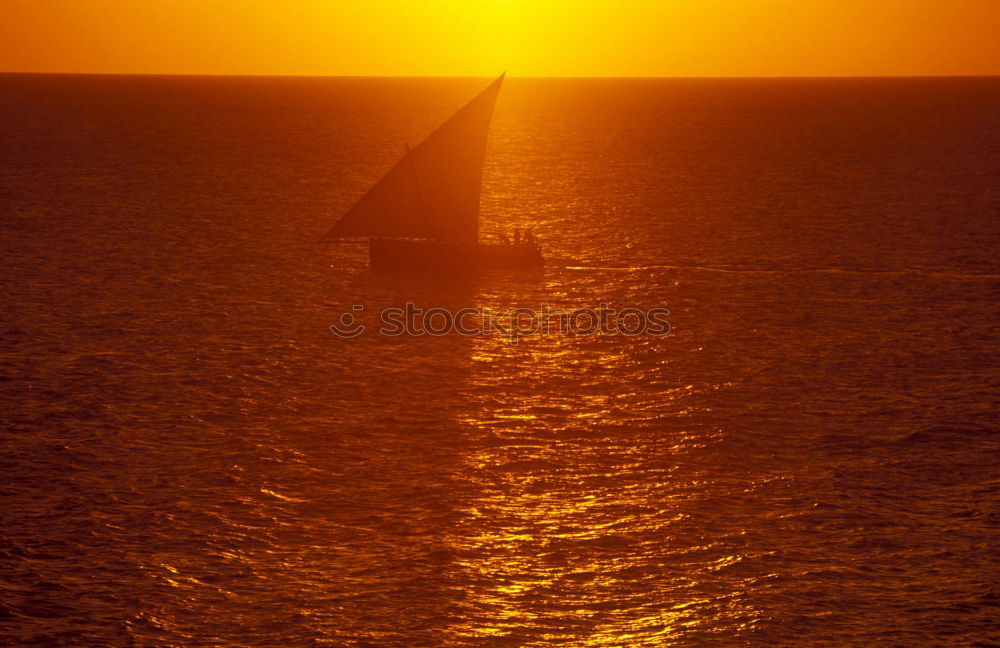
(529, 237)
(504, 239)
(517, 236)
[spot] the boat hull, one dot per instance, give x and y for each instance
(398, 254)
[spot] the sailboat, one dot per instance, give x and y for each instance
(424, 213)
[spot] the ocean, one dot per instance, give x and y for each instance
(191, 457)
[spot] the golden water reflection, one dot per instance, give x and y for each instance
(571, 530)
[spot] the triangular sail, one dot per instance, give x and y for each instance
(433, 192)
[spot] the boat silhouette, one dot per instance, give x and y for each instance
(424, 213)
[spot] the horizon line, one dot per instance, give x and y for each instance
(477, 76)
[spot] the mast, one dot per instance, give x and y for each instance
(416, 182)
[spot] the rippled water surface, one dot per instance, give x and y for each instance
(189, 457)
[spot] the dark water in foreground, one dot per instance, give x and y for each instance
(190, 458)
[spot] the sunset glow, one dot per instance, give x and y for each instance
(521, 323)
(485, 37)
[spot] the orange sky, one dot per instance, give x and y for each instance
(485, 37)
